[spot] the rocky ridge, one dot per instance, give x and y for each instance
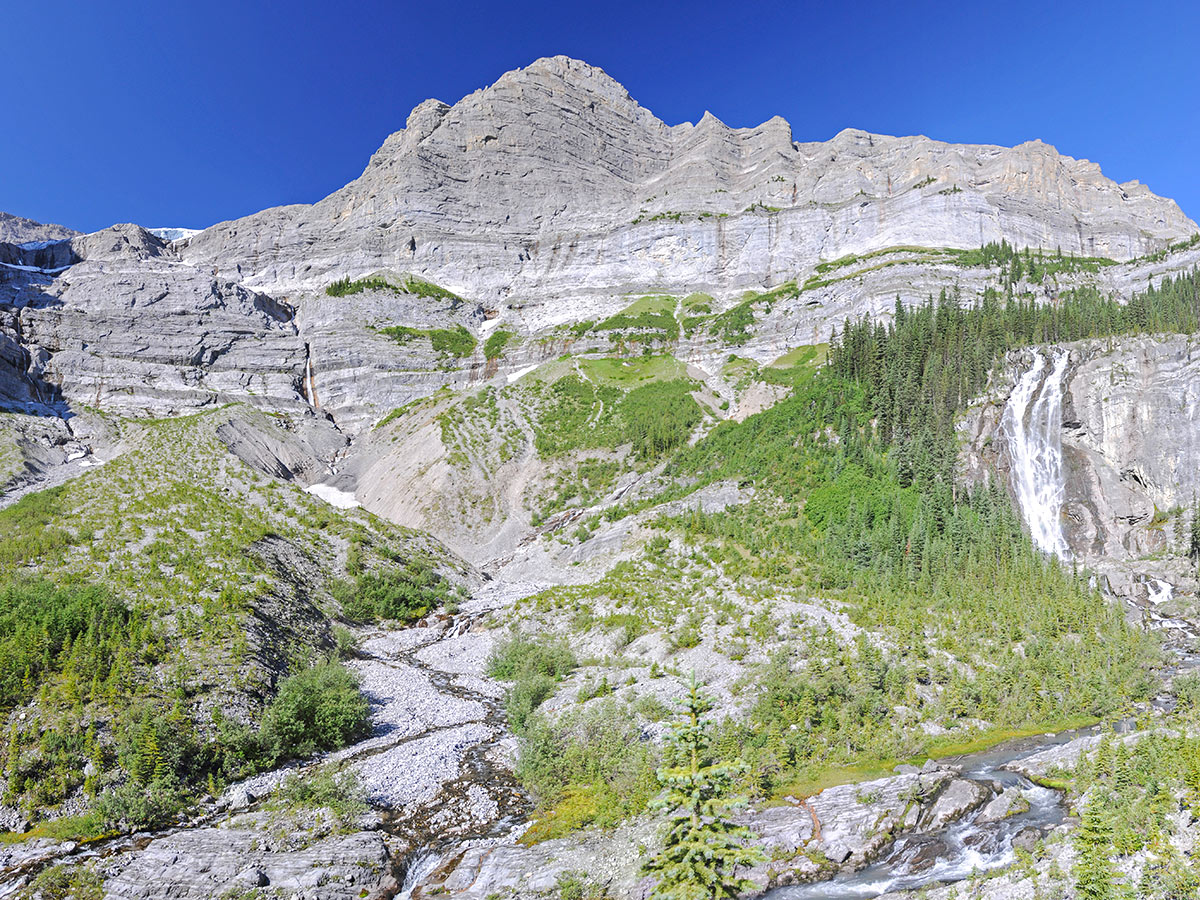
(19, 230)
(554, 184)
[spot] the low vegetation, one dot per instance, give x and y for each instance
(493, 347)
(449, 342)
(407, 284)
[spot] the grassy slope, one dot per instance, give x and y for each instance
(228, 572)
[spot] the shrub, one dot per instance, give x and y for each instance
(494, 346)
(591, 766)
(62, 882)
(447, 341)
(534, 665)
(523, 656)
(323, 789)
(320, 708)
(403, 595)
(134, 807)
(524, 697)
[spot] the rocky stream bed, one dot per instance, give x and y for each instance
(446, 809)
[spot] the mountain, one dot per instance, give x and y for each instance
(362, 549)
(553, 184)
(16, 230)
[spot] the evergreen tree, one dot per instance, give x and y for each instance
(703, 849)
(1095, 874)
(1194, 532)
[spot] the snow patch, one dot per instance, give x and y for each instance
(333, 496)
(174, 234)
(520, 373)
(40, 245)
(35, 269)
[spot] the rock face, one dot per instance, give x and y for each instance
(548, 197)
(18, 230)
(211, 862)
(554, 183)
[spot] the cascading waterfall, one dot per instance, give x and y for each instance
(1160, 591)
(1032, 424)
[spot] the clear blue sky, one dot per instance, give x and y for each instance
(187, 113)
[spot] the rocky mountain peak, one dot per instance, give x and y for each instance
(19, 230)
(554, 182)
(119, 242)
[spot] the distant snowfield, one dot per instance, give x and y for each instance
(174, 234)
(333, 496)
(40, 245)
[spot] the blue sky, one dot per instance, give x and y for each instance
(190, 113)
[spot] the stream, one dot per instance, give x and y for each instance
(953, 853)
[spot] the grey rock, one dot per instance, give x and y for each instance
(959, 798)
(554, 184)
(18, 230)
(1026, 839)
(207, 862)
(1010, 802)
(251, 878)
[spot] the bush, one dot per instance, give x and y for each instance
(345, 642)
(534, 665)
(589, 767)
(494, 346)
(1187, 690)
(318, 709)
(403, 595)
(62, 882)
(524, 697)
(323, 789)
(133, 807)
(523, 655)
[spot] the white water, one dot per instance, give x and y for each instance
(424, 864)
(1032, 424)
(1160, 591)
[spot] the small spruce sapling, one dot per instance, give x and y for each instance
(703, 848)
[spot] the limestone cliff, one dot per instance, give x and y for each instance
(554, 183)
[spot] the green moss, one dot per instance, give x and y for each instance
(652, 316)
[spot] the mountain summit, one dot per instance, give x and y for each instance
(553, 182)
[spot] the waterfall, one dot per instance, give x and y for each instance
(1032, 424)
(1160, 591)
(420, 866)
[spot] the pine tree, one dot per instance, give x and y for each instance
(1094, 872)
(703, 849)
(1194, 532)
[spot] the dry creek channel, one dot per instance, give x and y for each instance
(437, 771)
